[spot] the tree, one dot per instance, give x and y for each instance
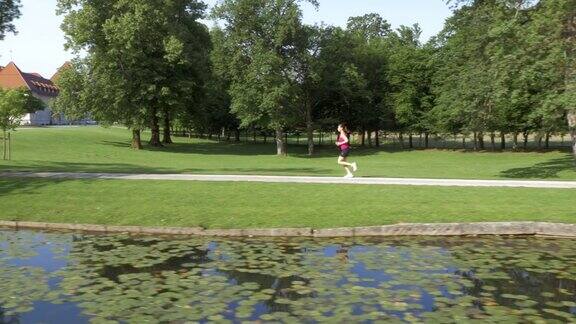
(372, 57)
(549, 56)
(569, 46)
(346, 93)
(72, 82)
(215, 114)
(261, 40)
(475, 81)
(146, 59)
(410, 76)
(370, 26)
(9, 11)
(14, 104)
(309, 82)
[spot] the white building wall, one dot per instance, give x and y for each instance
(42, 117)
(48, 117)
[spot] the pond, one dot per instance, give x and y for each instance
(77, 278)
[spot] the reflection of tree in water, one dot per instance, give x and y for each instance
(120, 277)
(227, 257)
(526, 271)
(8, 319)
(343, 254)
(509, 273)
(173, 263)
(280, 284)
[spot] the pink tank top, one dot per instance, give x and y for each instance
(344, 146)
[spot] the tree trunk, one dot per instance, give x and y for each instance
(525, 135)
(4, 145)
(237, 135)
(136, 141)
(401, 139)
(9, 146)
(377, 138)
(410, 141)
(481, 141)
(369, 138)
(155, 129)
(475, 141)
(502, 141)
(573, 133)
(309, 133)
(280, 144)
(570, 74)
(493, 140)
(426, 140)
(515, 141)
(464, 141)
(540, 138)
(572, 125)
(363, 138)
(167, 138)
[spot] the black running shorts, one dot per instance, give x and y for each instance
(345, 152)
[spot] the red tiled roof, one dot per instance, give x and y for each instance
(60, 69)
(11, 77)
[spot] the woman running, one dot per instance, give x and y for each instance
(343, 143)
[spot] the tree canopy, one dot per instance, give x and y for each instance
(498, 68)
(9, 11)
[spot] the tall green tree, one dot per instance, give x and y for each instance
(9, 11)
(372, 57)
(369, 26)
(410, 75)
(547, 39)
(462, 83)
(568, 17)
(145, 58)
(343, 86)
(261, 38)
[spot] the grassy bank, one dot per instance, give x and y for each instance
(253, 205)
(95, 149)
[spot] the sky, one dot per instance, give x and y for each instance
(39, 44)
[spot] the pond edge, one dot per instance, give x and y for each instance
(402, 229)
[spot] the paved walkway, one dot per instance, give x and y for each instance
(293, 179)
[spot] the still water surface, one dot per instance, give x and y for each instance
(79, 278)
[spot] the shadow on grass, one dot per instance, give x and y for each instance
(204, 147)
(209, 147)
(23, 186)
(542, 170)
(48, 166)
(53, 166)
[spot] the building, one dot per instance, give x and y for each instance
(11, 77)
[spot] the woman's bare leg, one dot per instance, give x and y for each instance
(347, 166)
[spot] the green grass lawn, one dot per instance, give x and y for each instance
(95, 149)
(256, 205)
(245, 205)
